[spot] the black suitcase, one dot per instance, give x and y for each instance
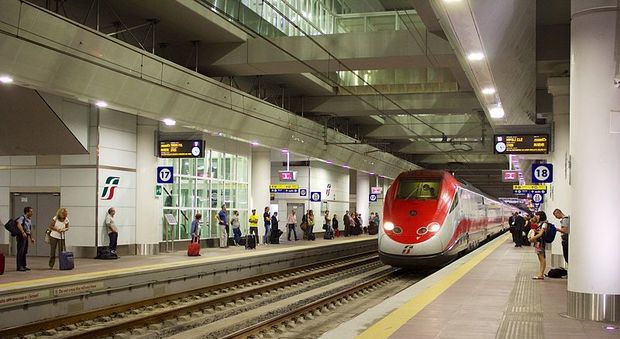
(250, 242)
(329, 234)
(311, 237)
(274, 238)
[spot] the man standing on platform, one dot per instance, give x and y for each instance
(564, 229)
(24, 225)
(267, 221)
(112, 229)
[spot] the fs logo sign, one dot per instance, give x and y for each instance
(111, 183)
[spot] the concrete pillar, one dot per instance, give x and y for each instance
(148, 207)
(560, 189)
(362, 191)
(594, 256)
(261, 178)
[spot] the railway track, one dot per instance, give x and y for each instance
(186, 314)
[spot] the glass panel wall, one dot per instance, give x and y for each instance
(203, 186)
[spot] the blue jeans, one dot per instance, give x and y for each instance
(291, 229)
(267, 233)
(237, 235)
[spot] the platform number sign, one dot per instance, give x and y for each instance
(542, 173)
(315, 196)
(537, 198)
(372, 197)
(164, 174)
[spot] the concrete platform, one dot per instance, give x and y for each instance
(41, 293)
(487, 294)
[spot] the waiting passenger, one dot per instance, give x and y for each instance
(335, 226)
(253, 223)
(539, 243)
(310, 227)
(236, 227)
(223, 223)
(327, 223)
(112, 229)
(291, 224)
(519, 228)
(564, 229)
(195, 230)
(57, 229)
(346, 221)
(24, 225)
(267, 222)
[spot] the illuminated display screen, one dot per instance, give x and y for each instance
(182, 149)
(288, 175)
(521, 144)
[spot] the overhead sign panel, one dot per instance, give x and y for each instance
(521, 143)
(284, 188)
(525, 189)
(542, 173)
(182, 149)
(510, 176)
(288, 175)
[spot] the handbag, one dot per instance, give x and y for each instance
(47, 236)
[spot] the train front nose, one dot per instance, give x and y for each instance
(400, 242)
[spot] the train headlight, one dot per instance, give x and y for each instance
(388, 226)
(434, 227)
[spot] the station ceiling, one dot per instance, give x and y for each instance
(396, 78)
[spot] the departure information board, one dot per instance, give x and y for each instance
(182, 149)
(521, 144)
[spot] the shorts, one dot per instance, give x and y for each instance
(539, 248)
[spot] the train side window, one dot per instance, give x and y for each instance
(455, 202)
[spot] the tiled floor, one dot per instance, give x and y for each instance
(499, 292)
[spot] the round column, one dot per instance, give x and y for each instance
(362, 191)
(261, 178)
(594, 255)
(560, 189)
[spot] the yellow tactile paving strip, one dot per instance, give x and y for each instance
(80, 277)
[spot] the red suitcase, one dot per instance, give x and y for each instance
(2, 259)
(193, 250)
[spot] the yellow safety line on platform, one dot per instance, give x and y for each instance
(395, 320)
(76, 278)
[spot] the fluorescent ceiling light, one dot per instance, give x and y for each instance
(284, 151)
(254, 143)
(475, 56)
(5, 79)
(496, 112)
(488, 90)
(169, 122)
(101, 104)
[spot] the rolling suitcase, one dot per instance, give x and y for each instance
(65, 260)
(311, 237)
(2, 262)
(193, 249)
(250, 242)
(329, 234)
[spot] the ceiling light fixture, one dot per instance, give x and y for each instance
(496, 112)
(101, 104)
(5, 79)
(169, 122)
(284, 151)
(488, 90)
(254, 143)
(475, 56)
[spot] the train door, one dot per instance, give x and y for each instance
(45, 206)
(300, 210)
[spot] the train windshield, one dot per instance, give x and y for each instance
(418, 189)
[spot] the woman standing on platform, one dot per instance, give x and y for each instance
(310, 227)
(540, 222)
(236, 227)
(335, 226)
(57, 229)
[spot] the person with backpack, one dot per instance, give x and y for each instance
(540, 221)
(564, 229)
(24, 225)
(236, 227)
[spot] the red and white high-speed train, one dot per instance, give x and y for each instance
(429, 217)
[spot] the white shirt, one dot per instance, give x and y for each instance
(60, 225)
(109, 222)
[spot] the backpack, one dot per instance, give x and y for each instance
(11, 226)
(550, 232)
(557, 273)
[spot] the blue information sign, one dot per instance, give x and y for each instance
(164, 174)
(315, 196)
(372, 198)
(303, 192)
(542, 173)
